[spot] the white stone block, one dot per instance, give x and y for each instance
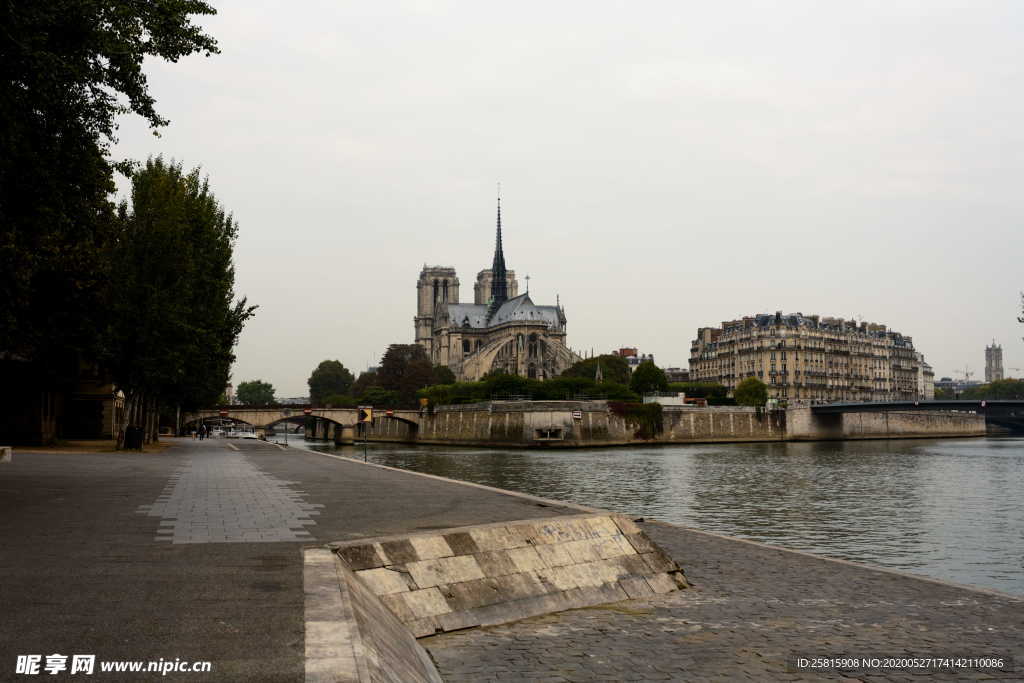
(526, 559)
(554, 555)
(430, 547)
(383, 581)
(426, 603)
(427, 573)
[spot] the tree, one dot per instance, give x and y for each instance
(443, 375)
(1002, 389)
(647, 378)
(339, 401)
(255, 393)
(700, 389)
(366, 381)
(613, 369)
(68, 68)
(172, 317)
(330, 377)
(405, 369)
(751, 392)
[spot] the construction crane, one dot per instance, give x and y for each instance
(967, 373)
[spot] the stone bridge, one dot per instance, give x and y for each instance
(337, 424)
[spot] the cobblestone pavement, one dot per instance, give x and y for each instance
(751, 611)
(224, 498)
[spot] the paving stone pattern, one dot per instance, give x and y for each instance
(224, 498)
(749, 611)
(496, 573)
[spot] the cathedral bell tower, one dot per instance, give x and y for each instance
(437, 287)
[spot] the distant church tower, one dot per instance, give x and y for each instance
(437, 287)
(993, 362)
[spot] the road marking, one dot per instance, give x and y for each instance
(231, 446)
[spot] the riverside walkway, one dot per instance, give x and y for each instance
(751, 610)
(195, 553)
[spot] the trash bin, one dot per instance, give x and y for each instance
(133, 438)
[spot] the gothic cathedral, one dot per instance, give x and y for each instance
(501, 331)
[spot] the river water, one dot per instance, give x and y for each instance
(951, 509)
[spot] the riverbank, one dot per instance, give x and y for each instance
(751, 611)
(945, 508)
(586, 424)
(200, 548)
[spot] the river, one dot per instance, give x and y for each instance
(950, 509)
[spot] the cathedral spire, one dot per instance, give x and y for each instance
(499, 277)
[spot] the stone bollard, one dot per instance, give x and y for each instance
(6, 454)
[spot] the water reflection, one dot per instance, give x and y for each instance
(951, 509)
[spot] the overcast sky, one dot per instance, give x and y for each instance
(664, 166)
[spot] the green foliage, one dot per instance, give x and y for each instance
(173, 320)
(1003, 389)
(364, 382)
(404, 370)
(255, 393)
(501, 385)
(706, 390)
(613, 369)
(382, 398)
(648, 378)
(443, 375)
(68, 68)
(339, 401)
(329, 378)
(646, 418)
(943, 394)
(751, 392)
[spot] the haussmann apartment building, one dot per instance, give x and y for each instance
(810, 359)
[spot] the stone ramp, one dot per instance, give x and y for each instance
(351, 637)
(442, 581)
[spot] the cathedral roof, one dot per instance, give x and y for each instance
(519, 308)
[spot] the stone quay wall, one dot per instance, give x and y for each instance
(803, 425)
(575, 424)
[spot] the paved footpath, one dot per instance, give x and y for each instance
(194, 552)
(751, 609)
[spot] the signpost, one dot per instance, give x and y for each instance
(364, 417)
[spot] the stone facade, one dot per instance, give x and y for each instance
(501, 331)
(806, 359)
(993, 362)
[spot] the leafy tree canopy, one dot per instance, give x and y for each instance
(329, 378)
(172, 316)
(501, 385)
(339, 401)
(255, 393)
(613, 369)
(751, 392)
(707, 390)
(405, 369)
(1005, 389)
(648, 378)
(68, 68)
(366, 381)
(443, 375)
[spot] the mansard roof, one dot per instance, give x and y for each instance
(519, 308)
